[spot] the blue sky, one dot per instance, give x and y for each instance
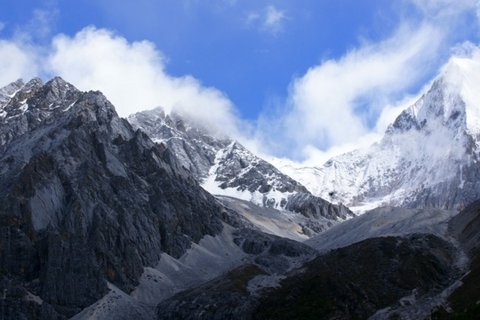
(215, 42)
(262, 68)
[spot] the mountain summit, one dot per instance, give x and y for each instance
(428, 156)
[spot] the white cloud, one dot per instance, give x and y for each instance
(314, 156)
(17, 60)
(445, 8)
(331, 107)
(133, 77)
(330, 104)
(274, 18)
(39, 27)
(2, 25)
(270, 19)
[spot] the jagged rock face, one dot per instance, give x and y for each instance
(239, 169)
(86, 200)
(194, 148)
(225, 167)
(222, 160)
(428, 157)
(316, 207)
(7, 92)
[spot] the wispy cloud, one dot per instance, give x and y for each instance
(270, 19)
(347, 102)
(274, 18)
(17, 60)
(445, 8)
(40, 27)
(41, 23)
(329, 106)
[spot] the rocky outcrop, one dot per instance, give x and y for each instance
(193, 146)
(315, 207)
(85, 200)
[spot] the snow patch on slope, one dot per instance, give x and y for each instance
(213, 185)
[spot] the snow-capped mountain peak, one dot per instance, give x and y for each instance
(453, 98)
(428, 156)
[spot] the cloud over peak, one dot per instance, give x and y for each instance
(133, 76)
(334, 101)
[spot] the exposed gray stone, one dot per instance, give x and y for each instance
(85, 199)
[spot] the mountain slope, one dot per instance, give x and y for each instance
(382, 222)
(427, 158)
(463, 302)
(87, 202)
(366, 280)
(347, 283)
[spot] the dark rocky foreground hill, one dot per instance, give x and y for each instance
(463, 303)
(399, 275)
(348, 283)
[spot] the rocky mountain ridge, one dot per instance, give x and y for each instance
(226, 168)
(86, 201)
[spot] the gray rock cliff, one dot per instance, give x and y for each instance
(85, 200)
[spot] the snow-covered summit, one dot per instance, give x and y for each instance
(428, 156)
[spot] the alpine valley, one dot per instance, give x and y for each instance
(158, 217)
